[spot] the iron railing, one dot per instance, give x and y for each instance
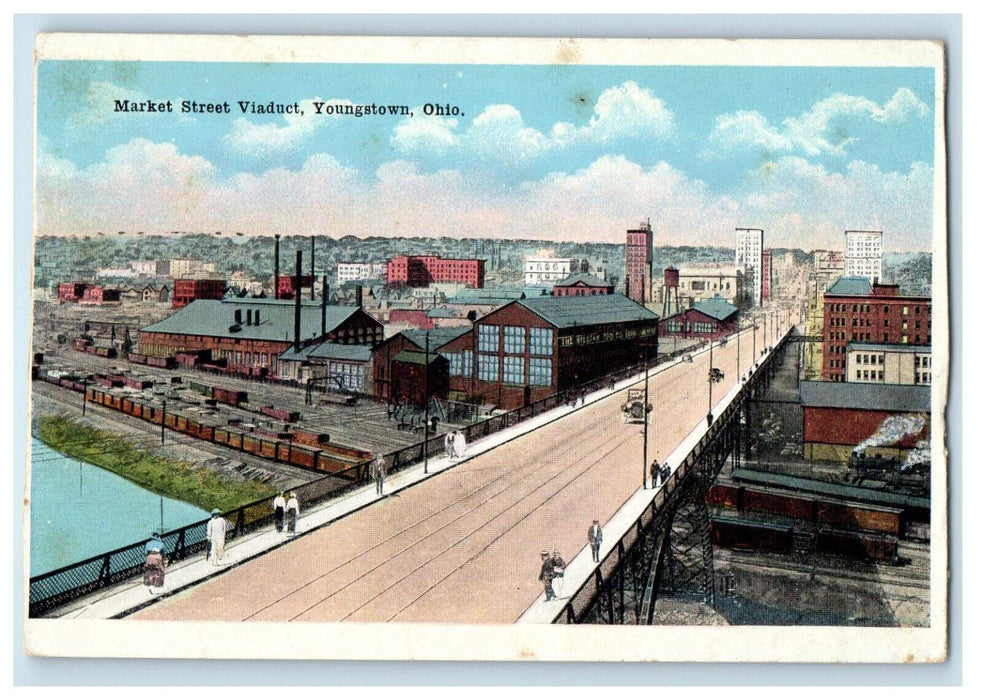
(618, 590)
(54, 589)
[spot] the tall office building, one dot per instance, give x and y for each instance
(748, 253)
(864, 256)
(638, 263)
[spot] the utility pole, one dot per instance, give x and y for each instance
(426, 403)
(163, 420)
(645, 428)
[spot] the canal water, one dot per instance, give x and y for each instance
(79, 510)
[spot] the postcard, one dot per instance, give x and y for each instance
(488, 349)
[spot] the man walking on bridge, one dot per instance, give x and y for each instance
(546, 575)
(379, 472)
(594, 536)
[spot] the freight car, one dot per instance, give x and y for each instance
(163, 362)
(739, 533)
(280, 414)
(136, 358)
(230, 396)
(858, 544)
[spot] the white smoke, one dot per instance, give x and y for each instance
(893, 429)
(922, 453)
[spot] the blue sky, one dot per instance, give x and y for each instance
(563, 152)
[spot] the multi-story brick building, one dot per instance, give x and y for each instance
(638, 263)
(188, 290)
(423, 270)
(855, 311)
(286, 285)
(766, 274)
(581, 285)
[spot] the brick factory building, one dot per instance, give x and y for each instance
(331, 366)
(854, 311)
(386, 377)
(533, 348)
(837, 417)
(638, 263)
(249, 335)
(711, 318)
(188, 290)
(581, 284)
(286, 285)
(423, 270)
(528, 349)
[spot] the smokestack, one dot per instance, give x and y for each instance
(324, 305)
(312, 271)
(358, 296)
(300, 262)
(276, 266)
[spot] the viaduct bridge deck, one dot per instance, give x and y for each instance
(463, 545)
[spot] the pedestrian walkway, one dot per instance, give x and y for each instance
(583, 565)
(125, 598)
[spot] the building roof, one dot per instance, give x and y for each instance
(441, 312)
(567, 312)
(215, 317)
(850, 287)
(329, 351)
(869, 397)
(415, 358)
(582, 278)
(717, 308)
(438, 336)
(888, 347)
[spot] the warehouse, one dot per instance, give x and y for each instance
(248, 336)
(710, 318)
(839, 416)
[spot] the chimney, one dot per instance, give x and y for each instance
(276, 266)
(238, 317)
(324, 305)
(312, 270)
(300, 262)
(256, 317)
(358, 296)
(249, 317)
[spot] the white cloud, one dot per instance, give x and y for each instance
(257, 140)
(500, 134)
(421, 135)
(152, 187)
(814, 132)
(625, 111)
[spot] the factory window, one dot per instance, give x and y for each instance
(858, 374)
(904, 310)
(904, 339)
(887, 323)
(461, 363)
(488, 368)
(540, 371)
(487, 339)
(514, 370)
(866, 375)
(515, 339)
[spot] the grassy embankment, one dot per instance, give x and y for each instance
(169, 477)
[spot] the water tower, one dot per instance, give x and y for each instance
(670, 292)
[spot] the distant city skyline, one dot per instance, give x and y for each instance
(573, 153)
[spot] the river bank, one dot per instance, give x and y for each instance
(140, 464)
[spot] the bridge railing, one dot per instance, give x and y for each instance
(585, 596)
(54, 589)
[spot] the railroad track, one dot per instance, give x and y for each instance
(281, 475)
